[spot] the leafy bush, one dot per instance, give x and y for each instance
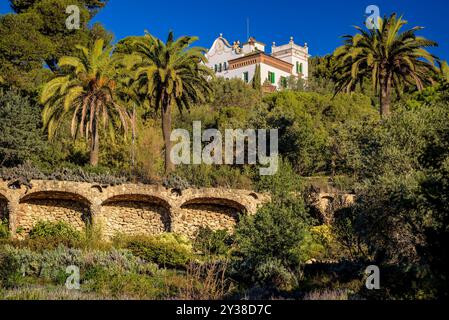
(306, 122)
(9, 270)
(4, 229)
(234, 93)
(325, 245)
(60, 230)
(401, 213)
(267, 243)
(119, 284)
(274, 273)
(167, 250)
(50, 235)
(213, 242)
(50, 265)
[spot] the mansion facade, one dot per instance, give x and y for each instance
(240, 61)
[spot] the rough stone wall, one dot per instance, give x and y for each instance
(137, 208)
(129, 208)
(329, 203)
(217, 217)
(134, 218)
(32, 211)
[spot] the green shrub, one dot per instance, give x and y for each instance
(167, 250)
(121, 284)
(52, 230)
(50, 265)
(9, 270)
(4, 229)
(275, 274)
(267, 243)
(51, 235)
(213, 242)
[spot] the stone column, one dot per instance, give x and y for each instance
(13, 211)
(175, 223)
(96, 220)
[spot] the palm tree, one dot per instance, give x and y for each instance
(444, 70)
(127, 92)
(389, 57)
(170, 75)
(85, 89)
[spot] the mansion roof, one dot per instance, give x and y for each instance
(260, 57)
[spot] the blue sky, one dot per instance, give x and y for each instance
(320, 23)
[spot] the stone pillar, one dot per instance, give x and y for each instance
(13, 211)
(176, 225)
(96, 220)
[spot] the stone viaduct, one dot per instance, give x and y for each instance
(133, 209)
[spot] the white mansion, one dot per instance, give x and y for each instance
(240, 61)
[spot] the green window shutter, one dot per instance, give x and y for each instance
(246, 77)
(297, 67)
(284, 82)
(272, 77)
(216, 68)
(300, 68)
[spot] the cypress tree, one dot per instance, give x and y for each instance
(257, 79)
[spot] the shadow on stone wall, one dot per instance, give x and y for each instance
(53, 207)
(216, 214)
(3, 208)
(134, 215)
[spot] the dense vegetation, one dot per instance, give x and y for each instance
(397, 166)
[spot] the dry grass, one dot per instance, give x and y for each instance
(206, 282)
(327, 294)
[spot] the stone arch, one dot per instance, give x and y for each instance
(53, 206)
(212, 212)
(135, 214)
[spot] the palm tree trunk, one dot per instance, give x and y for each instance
(94, 145)
(385, 96)
(166, 131)
(133, 150)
